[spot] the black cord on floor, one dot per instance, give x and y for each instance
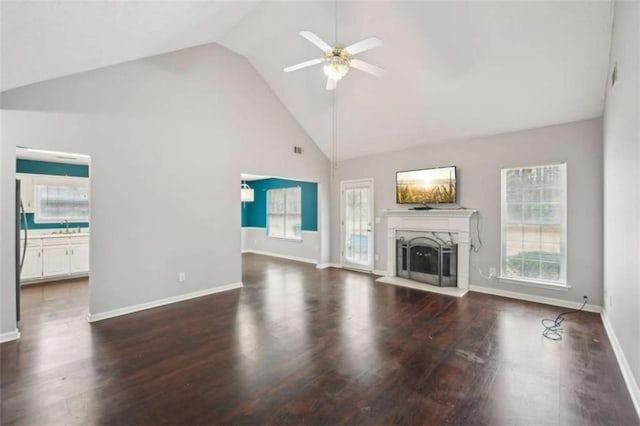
(552, 327)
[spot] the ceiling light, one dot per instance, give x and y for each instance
(246, 193)
(55, 153)
(336, 68)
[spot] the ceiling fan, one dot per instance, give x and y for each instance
(338, 59)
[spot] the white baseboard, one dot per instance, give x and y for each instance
(282, 256)
(380, 272)
(625, 368)
(12, 335)
(538, 299)
(154, 304)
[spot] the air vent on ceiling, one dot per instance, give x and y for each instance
(297, 150)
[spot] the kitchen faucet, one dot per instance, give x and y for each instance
(66, 224)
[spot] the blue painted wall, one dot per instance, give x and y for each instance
(255, 214)
(47, 168)
(57, 169)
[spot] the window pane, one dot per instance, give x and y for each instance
(284, 208)
(275, 218)
(62, 202)
(533, 204)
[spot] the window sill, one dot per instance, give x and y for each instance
(293, 240)
(533, 283)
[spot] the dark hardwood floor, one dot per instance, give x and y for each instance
(299, 345)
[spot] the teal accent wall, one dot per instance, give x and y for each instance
(255, 214)
(48, 168)
(33, 225)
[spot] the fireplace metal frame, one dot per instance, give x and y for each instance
(444, 249)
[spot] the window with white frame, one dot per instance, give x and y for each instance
(61, 198)
(284, 213)
(534, 209)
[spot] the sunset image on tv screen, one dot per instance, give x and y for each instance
(426, 186)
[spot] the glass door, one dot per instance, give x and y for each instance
(357, 224)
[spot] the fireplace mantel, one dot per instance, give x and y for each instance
(431, 213)
(454, 221)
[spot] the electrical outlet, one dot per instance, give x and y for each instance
(492, 272)
(182, 276)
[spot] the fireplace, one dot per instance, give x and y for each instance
(428, 260)
(451, 231)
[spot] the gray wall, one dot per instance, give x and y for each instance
(622, 186)
(479, 162)
(169, 137)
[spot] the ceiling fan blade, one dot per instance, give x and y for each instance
(361, 46)
(304, 65)
(316, 40)
(366, 67)
(331, 84)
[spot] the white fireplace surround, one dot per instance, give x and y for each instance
(456, 222)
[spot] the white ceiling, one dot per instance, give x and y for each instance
(454, 69)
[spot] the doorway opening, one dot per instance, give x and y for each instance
(279, 217)
(52, 235)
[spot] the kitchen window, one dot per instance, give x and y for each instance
(284, 213)
(534, 211)
(61, 199)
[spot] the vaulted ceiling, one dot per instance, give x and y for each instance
(454, 69)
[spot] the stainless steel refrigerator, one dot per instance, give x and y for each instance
(20, 251)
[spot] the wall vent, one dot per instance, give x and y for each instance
(297, 150)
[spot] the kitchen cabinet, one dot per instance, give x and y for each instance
(26, 192)
(55, 257)
(32, 266)
(55, 260)
(79, 260)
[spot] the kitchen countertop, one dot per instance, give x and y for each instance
(47, 233)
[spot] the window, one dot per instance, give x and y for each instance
(284, 213)
(60, 199)
(534, 224)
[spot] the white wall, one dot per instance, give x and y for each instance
(7, 238)
(256, 240)
(169, 137)
(479, 162)
(622, 188)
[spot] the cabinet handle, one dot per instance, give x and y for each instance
(67, 252)
(39, 253)
(71, 251)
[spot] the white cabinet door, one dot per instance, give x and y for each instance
(79, 258)
(55, 260)
(32, 267)
(26, 191)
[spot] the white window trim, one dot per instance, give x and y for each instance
(562, 284)
(285, 238)
(53, 180)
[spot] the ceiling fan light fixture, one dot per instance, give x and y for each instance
(336, 68)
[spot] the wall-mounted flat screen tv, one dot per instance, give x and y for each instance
(426, 186)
